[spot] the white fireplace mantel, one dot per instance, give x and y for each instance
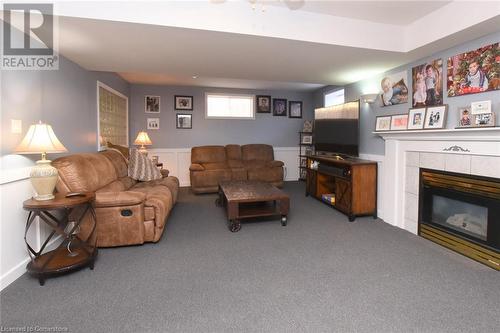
(474, 151)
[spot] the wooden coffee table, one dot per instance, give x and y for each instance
(250, 199)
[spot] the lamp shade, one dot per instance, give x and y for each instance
(40, 139)
(142, 139)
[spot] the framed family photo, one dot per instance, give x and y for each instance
(399, 122)
(183, 121)
(279, 107)
(263, 103)
(427, 84)
(183, 103)
(383, 123)
(394, 89)
(435, 117)
(295, 109)
(151, 104)
(153, 123)
(416, 119)
(465, 117)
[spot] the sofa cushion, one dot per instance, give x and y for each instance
(118, 161)
(255, 164)
(84, 172)
(257, 152)
(209, 178)
(172, 183)
(141, 168)
(215, 166)
(266, 174)
(122, 149)
(208, 154)
(233, 152)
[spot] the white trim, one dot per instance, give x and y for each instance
(14, 175)
(252, 97)
(458, 134)
(116, 92)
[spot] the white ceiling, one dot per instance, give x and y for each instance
(227, 44)
(401, 12)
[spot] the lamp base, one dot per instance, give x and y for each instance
(43, 177)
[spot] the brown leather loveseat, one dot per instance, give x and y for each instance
(127, 212)
(212, 164)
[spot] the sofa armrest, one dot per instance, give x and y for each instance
(117, 199)
(275, 164)
(164, 173)
(196, 167)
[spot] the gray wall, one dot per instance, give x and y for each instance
(372, 144)
(277, 131)
(65, 98)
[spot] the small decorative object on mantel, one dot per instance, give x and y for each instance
(263, 104)
(479, 114)
(480, 107)
(484, 120)
(151, 104)
(416, 119)
(184, 103)
(308, 126)
(383, 123)
(465, 117)
(435, 117)
(399, 122)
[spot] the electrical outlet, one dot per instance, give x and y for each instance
(16, 126)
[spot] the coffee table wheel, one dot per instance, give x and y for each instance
(351, 217)
(218, 202)
(41, 281)
(234, 225)
(284, 220)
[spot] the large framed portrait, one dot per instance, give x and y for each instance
(394, 89)
(416, 118)
(474, 71)
(263, 104)
(428, 84)
(183, 121)
(279, 107)
(184, 103)
(295, 109)
(151, 104)
(435, 117)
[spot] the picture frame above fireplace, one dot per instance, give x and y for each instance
(435, 117)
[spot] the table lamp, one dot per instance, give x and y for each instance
(142, 140)
(41, 139)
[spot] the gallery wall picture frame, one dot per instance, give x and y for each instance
(183, 121)
(416, 118)
(465, 117)
(427, 84)
(399, 122)
(383, 123)
(263, 103)
(153, 123)
(484, 120)
(295, 109)
(279, 107)
(307, 139)
(394, 89)
(435, 117)
(184, 103)
(151, 104)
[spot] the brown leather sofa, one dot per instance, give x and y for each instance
(212, 164)
(127, 212)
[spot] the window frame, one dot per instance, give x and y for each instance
(116, 92)
(331, 92)
(252, 97)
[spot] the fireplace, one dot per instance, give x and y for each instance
(462, 213)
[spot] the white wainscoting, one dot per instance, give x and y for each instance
(178, 160)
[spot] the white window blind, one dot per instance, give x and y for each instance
(113, 116)
(223, 106)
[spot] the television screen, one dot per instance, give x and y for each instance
(336, 129)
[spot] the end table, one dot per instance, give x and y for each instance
(73, 252)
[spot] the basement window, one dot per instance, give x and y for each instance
(334, 98)
(228, 106)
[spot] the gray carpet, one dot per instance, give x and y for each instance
(318, 274)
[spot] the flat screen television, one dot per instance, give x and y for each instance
(336, 129)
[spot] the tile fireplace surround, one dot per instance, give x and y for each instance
(473, 151)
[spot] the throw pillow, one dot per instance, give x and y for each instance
(121, 149)
(141, 168)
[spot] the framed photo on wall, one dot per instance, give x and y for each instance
(427, 84)
(151, 104)
(435, 117)
(279, 107)
(307, 139)
(295, 109)
(263, 103)
(183, 121)
(399, 122)
(383, 123)
(153, 123)
(416, 119)
(183, 103)
(465, 117)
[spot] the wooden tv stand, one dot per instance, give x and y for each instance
(352, 181)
